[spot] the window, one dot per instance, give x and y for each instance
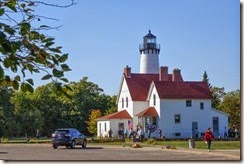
(151, 40)
(139, 120)
(152, 120)
(177, 134)
(126, 102)
(188, 103)
(154, 99)
(177, 118)
(148, 121)
(201, 105)
(122, 102)
(105, 126)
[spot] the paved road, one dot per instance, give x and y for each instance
(45, 152)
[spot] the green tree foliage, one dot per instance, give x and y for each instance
(85, 96)
(23, 112)
(24, 47)
(218, 94)
(231, 104)
(92, 123)
(6, 110)
(113, 106)
(27, 117)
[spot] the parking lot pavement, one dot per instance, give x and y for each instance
(40, 152)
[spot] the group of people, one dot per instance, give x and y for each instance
(208, 135)
(138, 134)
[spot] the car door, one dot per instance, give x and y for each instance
(79, 137)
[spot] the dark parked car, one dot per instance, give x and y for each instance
(68, 137)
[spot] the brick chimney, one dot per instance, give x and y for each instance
(176, 75)
(127, 71)
(163, 73)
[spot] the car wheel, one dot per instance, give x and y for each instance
(72, 145)
(55, 146)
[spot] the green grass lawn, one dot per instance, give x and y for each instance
(216, 145)
(202, 145)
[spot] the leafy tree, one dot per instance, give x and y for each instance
(24, 112)
(112, 105)
(6, 110)
(25, 48)
(231, 104)
(84, 97)
(51, 108)
(218, 94)
(92, 124)
(27, 117)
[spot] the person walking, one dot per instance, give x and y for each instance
(37, 134)
(208, 137)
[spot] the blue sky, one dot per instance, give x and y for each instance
(102, 37)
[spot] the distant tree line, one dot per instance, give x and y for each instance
(229, 103)
(23, 113)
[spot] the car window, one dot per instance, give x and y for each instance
(74, 132)
(61, 131)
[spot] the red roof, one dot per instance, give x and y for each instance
(139, 85)
(123, 114)
(148, 112)
(183, 90)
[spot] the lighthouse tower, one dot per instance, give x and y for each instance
(149, 51)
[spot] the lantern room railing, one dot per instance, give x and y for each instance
(149, 46)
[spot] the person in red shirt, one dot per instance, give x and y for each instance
(208, 137)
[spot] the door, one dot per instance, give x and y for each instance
(216, 127)
(121, 126)
(121, 129)
(194, 130)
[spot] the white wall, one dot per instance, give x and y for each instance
(204, 117)
(101, 130)
(149, 63)
(113, 124)
(134, 107)
(157, 106)
(123, 95)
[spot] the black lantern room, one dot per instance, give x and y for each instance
(149, 43)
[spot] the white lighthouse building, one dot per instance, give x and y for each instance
(158, 100)
(149, 51)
